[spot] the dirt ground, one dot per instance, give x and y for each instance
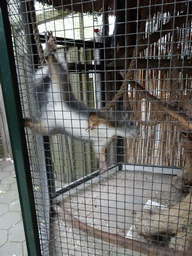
(110, 205)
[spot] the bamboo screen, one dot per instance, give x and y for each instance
(164, 72)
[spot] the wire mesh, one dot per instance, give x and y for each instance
(129, 62)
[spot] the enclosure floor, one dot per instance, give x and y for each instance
(12, 238)
(111, 205)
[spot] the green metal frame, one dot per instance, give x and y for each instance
(8, 80)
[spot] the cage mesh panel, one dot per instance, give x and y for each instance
(110, 44)
(25, 69)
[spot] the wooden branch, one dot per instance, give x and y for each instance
(184, 120)
(82, 67)
(118, 240)
(73, 42)
(164, 64)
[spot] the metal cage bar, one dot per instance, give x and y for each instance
(148, 56)
(8, 79)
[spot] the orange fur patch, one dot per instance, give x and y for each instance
(94, 121)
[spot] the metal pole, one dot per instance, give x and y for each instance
(8, 80)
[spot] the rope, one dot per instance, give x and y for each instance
(36, 31)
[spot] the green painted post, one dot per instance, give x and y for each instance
(8, 80)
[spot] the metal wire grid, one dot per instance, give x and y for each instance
(116, 203)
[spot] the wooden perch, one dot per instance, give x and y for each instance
(184, 120)
(164, 64)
